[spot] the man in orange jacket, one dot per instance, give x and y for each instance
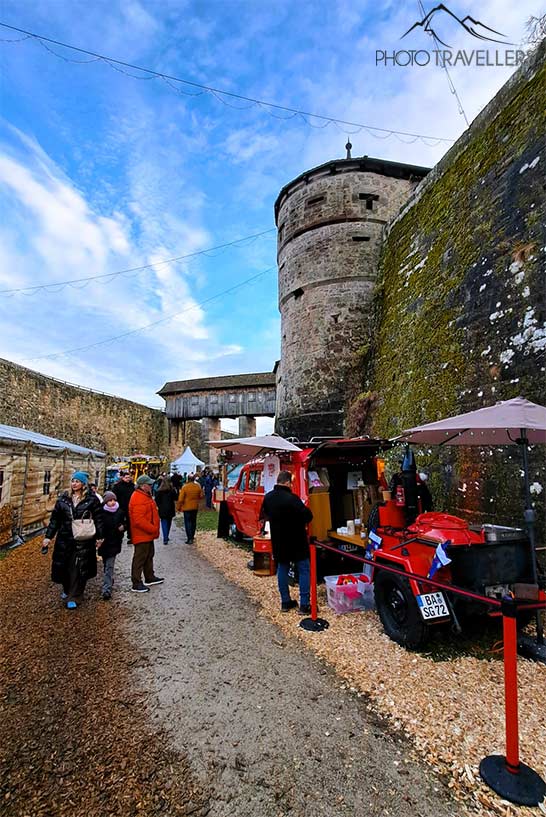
(144, 526)
(188, 502)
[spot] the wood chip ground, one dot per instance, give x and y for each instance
(74, 737)
(451, 705)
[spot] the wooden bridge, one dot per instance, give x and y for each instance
(241, 396)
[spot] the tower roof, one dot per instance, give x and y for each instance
(362, 164)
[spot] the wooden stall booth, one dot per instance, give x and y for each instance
(34, 470)
(345, 480)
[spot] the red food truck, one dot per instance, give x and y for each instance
(343, 483)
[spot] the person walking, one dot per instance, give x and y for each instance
(288, 518)
(209, 485)
(113, 519)
(123, 489)
(189, 498)
(165, 499)
(144, 524)
(94, 490)
(177, 481)
(74, 560)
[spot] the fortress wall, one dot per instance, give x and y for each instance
(460, 303)
(119, 427)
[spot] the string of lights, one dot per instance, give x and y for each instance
(165, 319)
(81, 283)
(227, 98)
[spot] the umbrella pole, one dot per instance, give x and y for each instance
(530, 517)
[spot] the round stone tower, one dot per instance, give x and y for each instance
(330, 223)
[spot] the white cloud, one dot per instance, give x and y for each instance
(53, 235)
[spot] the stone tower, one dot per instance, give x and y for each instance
(330, 223)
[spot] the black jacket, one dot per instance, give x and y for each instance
(123, 491)
(60, 527)
(288, 518)
(165, 501)
(111, 521)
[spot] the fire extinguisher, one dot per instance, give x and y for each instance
(400, 496)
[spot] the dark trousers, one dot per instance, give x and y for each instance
(190, 523)
(143, 560)
(73, 584)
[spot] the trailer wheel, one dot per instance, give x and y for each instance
(398, 610)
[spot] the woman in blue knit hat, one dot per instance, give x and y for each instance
(74, 559)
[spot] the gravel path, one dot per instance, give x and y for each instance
(268, 728)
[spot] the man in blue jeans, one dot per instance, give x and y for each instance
(288, 518)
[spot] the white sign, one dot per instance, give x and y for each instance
(272, 467)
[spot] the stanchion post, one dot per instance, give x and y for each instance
(313, 579)
(313, 624)
(507, 776)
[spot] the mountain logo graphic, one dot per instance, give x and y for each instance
(471, 25)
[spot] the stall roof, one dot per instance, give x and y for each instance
(23, 435)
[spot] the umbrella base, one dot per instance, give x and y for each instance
(316, 626)
(526, 787)
(529, 648)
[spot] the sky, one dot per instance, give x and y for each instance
(103, 170)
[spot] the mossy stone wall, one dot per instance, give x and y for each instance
(460, 303)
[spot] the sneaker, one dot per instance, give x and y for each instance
(155, 580)
(140, 588)
(106, 596)
(286, 606)
(71, 605)
(304, 610)
(166, 543)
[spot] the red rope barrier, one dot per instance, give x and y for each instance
(506, 775)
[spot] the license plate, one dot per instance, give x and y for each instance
(432, 605)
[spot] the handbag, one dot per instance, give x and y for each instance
(83, 529)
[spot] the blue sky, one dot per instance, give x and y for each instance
(101, 172)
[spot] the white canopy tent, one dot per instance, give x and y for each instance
(186, 463)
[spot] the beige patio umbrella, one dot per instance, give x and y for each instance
(510, 422)
(246, 448)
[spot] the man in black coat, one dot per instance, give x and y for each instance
(124, 491)
(288, 518)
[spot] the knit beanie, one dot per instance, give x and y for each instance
(82, 476)
(109, 495)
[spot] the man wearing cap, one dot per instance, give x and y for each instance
(144, 522)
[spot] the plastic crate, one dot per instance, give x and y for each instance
(351, 597)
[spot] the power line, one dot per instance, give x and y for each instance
(221, 96)
(59, 285)
(450, 82)
(167, 318)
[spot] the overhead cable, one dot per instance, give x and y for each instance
(146, 326)
(450, 82)
(57, 286)
(222, 96)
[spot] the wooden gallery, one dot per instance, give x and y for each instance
(34, 470)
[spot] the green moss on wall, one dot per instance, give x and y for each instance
(460, 298)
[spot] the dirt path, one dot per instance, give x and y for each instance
(268, 729)
(74, 738)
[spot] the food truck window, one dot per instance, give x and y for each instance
(242, 484)
(254, 480)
